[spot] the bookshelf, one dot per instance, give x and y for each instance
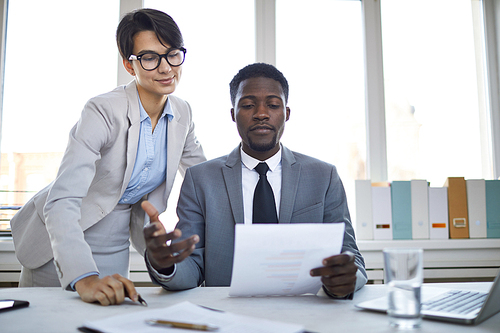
(445, 260)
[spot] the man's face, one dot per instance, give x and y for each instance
(260, 114)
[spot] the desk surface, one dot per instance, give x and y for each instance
(54, 310)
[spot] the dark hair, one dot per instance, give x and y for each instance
(257, 70)
(145, 19)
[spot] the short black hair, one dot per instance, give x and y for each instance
(146, 19)
(257, 70)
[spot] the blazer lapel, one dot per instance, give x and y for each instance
(289, 184)
(232, 178)
(133, 131)
(176, 130)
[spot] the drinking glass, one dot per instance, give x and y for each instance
(403, 273)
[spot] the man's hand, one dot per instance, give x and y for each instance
(160, 254)
(109, 290)
(338, 274)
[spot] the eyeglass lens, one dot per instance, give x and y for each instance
(150, 61)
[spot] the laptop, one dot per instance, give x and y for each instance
(452, 305)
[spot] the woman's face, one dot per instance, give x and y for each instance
(160, 82)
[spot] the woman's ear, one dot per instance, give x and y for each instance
(128, 67)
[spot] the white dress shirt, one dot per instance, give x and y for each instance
(250, 178)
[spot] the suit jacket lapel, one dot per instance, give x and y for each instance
(232, 178)
(289, 184)
(133, 131)
(176, 130)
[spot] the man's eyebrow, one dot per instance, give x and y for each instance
(248, 97)
(273, 96)
(254, 97)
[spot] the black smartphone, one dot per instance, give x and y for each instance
(11, 304)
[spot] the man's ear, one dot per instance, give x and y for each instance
(287, 113)
(232, 115)
(128, 67)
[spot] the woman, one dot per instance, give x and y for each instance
(127, 146)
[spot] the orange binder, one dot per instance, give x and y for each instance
(457, 207)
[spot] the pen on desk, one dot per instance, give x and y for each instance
(139, 298)
(177, 324)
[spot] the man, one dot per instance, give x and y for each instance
(217, 194)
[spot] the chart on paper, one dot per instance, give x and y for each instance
(275, 259)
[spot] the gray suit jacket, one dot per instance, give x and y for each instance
(211, 202)
(93, 175)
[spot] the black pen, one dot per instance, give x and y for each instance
(139, 298)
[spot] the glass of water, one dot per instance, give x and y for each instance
(403, 273)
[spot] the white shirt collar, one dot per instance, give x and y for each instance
(251, 162)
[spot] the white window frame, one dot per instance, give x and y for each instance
(491, 12)
(376, 159)
(376, 145)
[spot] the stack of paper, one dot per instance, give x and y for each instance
(187, 312)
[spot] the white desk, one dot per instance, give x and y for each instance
(54, 310)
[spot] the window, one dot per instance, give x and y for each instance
(58, 55)
(437, 122)
(431, 90)
(322, 58)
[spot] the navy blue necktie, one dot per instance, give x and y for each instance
(264, 207)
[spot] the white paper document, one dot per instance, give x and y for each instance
(187, 312)
(275, 259)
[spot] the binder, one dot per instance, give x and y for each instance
(476, 206)
(420, 209)
(457, 207)
(401, 209)
(438, 213)
(364, 220)
(381, 213)
(492, 188)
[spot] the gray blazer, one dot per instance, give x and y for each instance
(93, 176)
(211, 202)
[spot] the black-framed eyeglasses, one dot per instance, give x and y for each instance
(151, 60)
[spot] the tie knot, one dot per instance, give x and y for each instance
(262, 168)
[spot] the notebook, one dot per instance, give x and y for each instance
(445, 304)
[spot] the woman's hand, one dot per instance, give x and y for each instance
(109, 290)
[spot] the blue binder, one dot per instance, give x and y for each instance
(401, 209)
(492, 208)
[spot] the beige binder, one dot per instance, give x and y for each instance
(457, 207)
